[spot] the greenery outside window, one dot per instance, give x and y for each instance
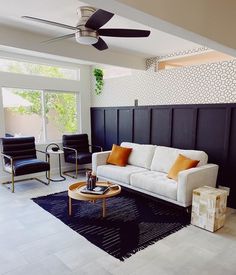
(43, 114)
(30, 68)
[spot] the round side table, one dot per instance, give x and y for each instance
(58, 153)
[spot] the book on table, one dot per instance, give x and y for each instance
(98, 190)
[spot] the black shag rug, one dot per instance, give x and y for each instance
(133, 221)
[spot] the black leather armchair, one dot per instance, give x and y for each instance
(19, 158)
(77, 150)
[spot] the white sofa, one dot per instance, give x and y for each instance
(147, 170)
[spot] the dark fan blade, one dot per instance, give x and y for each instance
(123, 32)
(98, 19)
(59, 38)
(100, 45)
(49, 22)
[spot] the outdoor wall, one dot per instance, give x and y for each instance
(208, 83)
(31, 125)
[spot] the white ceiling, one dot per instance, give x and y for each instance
(64, 11)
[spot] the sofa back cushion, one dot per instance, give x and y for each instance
(141, 155)
(164, 157)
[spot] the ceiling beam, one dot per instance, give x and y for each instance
(25, 40)
(206, 22)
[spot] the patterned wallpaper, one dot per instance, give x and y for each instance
(184, 53)
(208, 83)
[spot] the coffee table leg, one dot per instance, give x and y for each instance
(104, 208)
(70, 206)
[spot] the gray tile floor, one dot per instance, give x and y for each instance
(34, 242)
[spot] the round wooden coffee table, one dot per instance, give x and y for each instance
(74, 193)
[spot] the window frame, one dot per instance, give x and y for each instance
(43, 102)
(38, 61)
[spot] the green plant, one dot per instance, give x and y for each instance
(98, 73)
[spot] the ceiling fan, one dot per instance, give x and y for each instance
(88, 30)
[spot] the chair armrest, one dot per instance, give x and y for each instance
(44, 152)
(99, 158)
(72, 149)
(96, 146)
(69, 148)
(11, 161)
(190, 179)
(6, 156)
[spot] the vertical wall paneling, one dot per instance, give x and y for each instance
(232, 139)
(142, 125)
(125, 126)
(182, 128)
(111, 125)
(211, 132)
(194, 133)
(230, 166)
(160, 126)
(227, 132)
(211, 136)
(98, 127)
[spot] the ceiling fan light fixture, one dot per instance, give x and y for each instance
(86, 37)
(88, 30)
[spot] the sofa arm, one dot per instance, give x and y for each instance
(99, 158)
(190, 179)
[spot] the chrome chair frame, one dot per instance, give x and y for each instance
(76, 170)
(12, 171)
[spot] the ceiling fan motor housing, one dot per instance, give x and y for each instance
(85, 35)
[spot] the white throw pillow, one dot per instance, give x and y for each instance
(141, 155)
(164, 157)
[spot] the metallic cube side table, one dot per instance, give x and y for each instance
(209, 208)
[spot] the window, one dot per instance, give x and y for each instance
(43, 114)
(21, 67)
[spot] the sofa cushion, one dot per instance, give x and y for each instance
(28, 166)
(164, 157)
(141, 155)
(119, 155)
(118, 173)
(182, 163)
(155, 182)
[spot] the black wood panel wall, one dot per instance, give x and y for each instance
(211, 128)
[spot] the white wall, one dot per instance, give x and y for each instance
(82, 87)
(208, 83)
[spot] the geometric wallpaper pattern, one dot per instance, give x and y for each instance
(207, 83)
(152, 63)
(184, 53)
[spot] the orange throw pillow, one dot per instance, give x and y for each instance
(182, 163)
(119, 155)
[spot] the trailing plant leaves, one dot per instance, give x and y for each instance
(98, 73)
